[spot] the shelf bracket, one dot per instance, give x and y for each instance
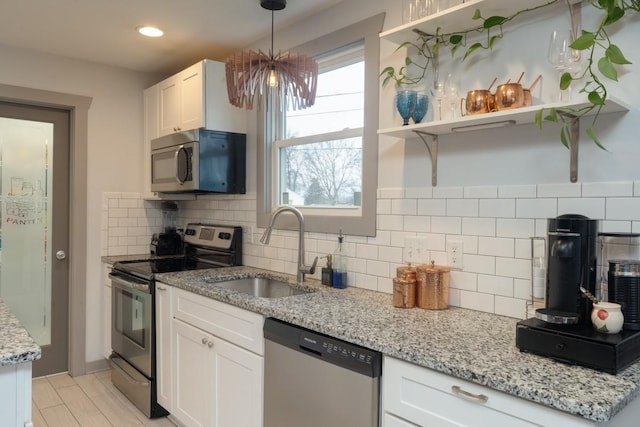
(572, 129)
(433, 153)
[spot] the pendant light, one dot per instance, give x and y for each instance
(291, 76)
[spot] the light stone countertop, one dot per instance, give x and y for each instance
(16, 345)
(471, 345)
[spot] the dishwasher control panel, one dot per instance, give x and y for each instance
(332, 350)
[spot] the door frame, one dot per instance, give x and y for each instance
(78, 107)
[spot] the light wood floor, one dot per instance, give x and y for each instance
(89, 400)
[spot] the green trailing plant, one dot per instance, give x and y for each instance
(603, 58)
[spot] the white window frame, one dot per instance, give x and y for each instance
(360, 221)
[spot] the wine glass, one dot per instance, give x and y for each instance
(437, 91)
(406, 103)
(563, 57)
(422, 105)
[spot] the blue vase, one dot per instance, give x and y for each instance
(406, 103)
(422, 106)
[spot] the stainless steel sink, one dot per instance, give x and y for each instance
(261, 287)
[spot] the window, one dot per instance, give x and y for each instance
(319, 160)
(323, 159)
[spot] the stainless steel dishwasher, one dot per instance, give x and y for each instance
(314, 380)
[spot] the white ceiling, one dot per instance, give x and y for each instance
(104, 30)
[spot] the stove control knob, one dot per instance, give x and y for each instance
(560, 346)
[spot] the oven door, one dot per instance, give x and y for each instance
(131, 334)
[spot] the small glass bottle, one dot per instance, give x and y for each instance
(339, 265)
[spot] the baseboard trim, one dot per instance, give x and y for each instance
(97, 366)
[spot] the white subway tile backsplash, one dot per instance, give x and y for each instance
(390, 222)
(512, 267)
(625, 208)
(432, 207)
(481, 192)
(511, 307)
(516, 191)
(463, 280)
(419, 224)
(418, 192)
(590, 207)
(496, 246)
(383, 206)
(497, 208)
(366, 251)
(448, 192)
(495, 285)
(536, 208)
(479, 264)
(477, 301)
(479, 226)
(607, 189)
(462, 207)
(517, 228)
(391, 193)
(559, 190)
(404, 206)
(493, 222)
(447, 225)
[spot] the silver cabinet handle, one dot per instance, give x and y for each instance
(61, 255)
(204, 340)
(481, 397)
(210, 344)
(161, 288)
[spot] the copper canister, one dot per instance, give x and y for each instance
(406, 270)
(404, 288)
(432, 286)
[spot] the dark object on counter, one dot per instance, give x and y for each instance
(571, 265)
(624, 289)
(579, 345)
(166, 243)
(327, 273)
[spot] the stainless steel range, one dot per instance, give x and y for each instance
(133, 359)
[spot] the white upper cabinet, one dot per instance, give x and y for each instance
(196, 98)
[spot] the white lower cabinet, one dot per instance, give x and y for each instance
(15, 395)
(216, 366)
(412, 394)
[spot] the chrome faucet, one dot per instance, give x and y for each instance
(302, 268)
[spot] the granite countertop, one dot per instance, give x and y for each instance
(471, 345)
(16, 345)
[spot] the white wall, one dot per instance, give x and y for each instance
(114, 142)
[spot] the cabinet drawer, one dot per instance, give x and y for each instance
(236, 325)
(426, 397)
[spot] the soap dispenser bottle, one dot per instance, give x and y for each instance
(339, 265)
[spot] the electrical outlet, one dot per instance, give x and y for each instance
(415, 250)
(455, 254)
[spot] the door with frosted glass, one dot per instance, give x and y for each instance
(34, 226)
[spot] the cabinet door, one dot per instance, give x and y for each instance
(163, 345)
(106, 307)
(169, 105)
(194, 388)
(191, 97)
(238, 380)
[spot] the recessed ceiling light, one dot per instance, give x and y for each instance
(150, 31)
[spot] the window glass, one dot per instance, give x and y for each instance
(320, 159)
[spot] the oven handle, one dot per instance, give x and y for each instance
(126, 374)
(142, 287)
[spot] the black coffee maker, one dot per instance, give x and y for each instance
(572, 262)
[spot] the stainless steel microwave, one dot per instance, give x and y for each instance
(199, 160)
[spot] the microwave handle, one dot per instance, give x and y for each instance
(176, 159)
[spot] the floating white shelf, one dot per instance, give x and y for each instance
(458, 18)
(517, 116)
